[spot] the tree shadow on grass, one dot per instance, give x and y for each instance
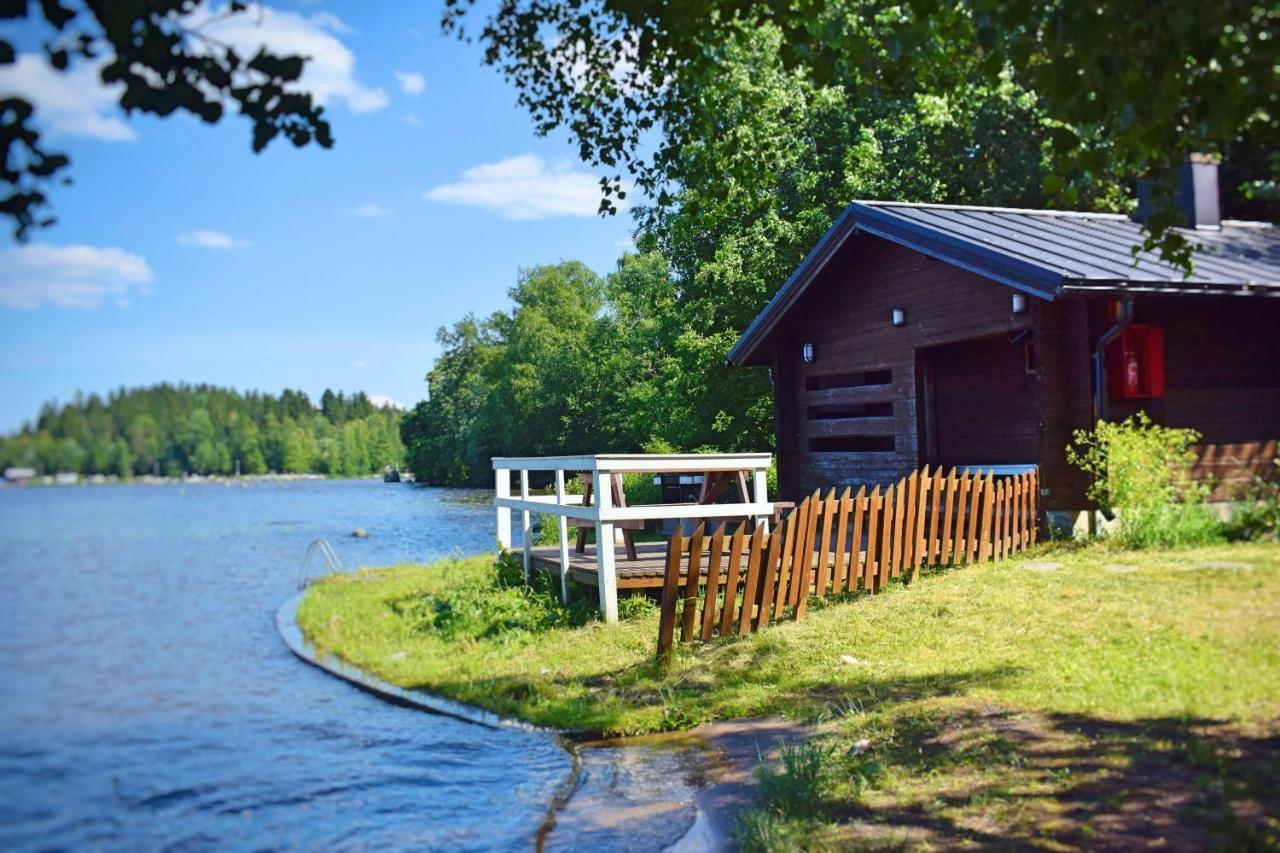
(989, 776)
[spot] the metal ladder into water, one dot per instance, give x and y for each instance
(323, 548)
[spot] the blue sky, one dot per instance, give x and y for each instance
(182, 256)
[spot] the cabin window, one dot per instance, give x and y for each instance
(853, 444)
(857, 379)
(851, 410)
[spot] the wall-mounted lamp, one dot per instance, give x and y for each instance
(807, 352)
(1019, 303)
(899, 317)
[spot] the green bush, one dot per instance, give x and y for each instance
(1258, 515)
(1140, 471)
(495, 605)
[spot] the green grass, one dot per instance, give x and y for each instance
(1159, 641)
(991, 705)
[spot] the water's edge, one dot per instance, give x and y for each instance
(731, 750)
(287, 626)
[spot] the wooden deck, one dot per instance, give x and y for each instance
(645, 571)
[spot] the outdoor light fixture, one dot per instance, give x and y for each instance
(1019, 303)
(899, 317)
(807, 352)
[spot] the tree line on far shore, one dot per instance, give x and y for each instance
(172, 430)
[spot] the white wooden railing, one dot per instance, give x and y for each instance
(604, 514)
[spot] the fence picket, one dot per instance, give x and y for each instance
(931, 541)
(667, 612)
(841, 566)
(988, 519)
(873, 529)
(920, 552)
(1035, 506)
(751, 589)
(909, 551)
(802, 571)
(899, 537)
(948, 518)
(691, 584)
(769, 573)
(855, 539)
(824, 545)
(886, 539)
(789, 525)
(732, 579)
(713, 583)
(961, 546)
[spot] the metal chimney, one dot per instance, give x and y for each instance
(1195, 193)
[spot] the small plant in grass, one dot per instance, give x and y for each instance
(495, 605)
(792, 797)
(1140, 470)
(1257, 517)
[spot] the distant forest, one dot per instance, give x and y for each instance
(199, 429)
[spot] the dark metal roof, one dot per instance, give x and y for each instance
(1042, 252)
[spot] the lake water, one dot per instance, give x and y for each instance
(147, 702)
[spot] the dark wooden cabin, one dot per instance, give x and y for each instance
(970, 336)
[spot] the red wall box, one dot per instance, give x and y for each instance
(1135, 363)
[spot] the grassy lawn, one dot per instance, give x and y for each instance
(1119, 697)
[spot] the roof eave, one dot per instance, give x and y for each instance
(1171, 288)
(1038, 281)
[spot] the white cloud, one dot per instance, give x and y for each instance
(359, 363)
(207, 238)
(72, 102)
(413, 120)
(70, 276)
(381, 401)
(524, 187)
(411, 82)
(329, 74)
(369, 210)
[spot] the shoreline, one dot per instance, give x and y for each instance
(707, 773)
(51, 481)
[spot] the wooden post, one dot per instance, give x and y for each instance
(1035, 506)
(769, 572)
(886, 539)
(909, 543)
(563, 524)
(899, 530)
(842, 566)
(713, 583)
(502, 489)
(606, 579)
(975, 501)
(961, 543)
(670, 588)
(988, 517)
(760, 490)
(873, 527)
(824, 544)
(855, 540)
(526, 524)
(948, 519)
(931, 542)
(751, 589)
(692, 576)
(731, 580)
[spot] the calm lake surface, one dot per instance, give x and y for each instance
(147, 702)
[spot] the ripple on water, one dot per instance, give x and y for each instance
(149, 703)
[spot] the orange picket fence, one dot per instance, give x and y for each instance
(838, 545)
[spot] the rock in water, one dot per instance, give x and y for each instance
(360, 533)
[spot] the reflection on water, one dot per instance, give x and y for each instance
(147, 701)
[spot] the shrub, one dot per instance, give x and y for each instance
(1140, 469)
(495, 605)
(1258, 515)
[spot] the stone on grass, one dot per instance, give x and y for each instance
(1042, 567)
(849, 660)
(398, 656)
(859, 747)
(1119, 568)
(1234, 565)
(360, 533)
